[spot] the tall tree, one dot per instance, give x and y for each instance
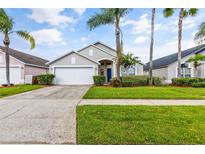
(111, 16)
(182, 14)
(196, 60)
(151, 46)
(6, 27)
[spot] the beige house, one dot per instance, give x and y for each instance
(166, 67)
(21, 65)
(76, 68)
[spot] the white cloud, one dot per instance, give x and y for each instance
(142, 25)
(50, 16)
(141, 39)
(83, 39)
(139, 26)
(79, 11)
(49, 36)
(72, 29)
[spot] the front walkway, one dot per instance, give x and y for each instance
(139, 102)
(45, 115)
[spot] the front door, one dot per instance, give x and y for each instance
(109, 74)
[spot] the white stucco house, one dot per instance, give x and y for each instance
(79, 67)
(21, 65)
(166, 67)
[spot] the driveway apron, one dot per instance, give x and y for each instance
(45, 115)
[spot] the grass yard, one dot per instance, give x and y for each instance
(141, 124)
(146, 92)
(8, 91)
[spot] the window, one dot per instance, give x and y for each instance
(73, 60)
(185, 71)
(128, 71)
(90, 52)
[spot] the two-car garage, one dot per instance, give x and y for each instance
(77, 75)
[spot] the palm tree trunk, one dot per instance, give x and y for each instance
(181, 13)
(117, 33)
(151, 47)
(195, 72)
(6, 43)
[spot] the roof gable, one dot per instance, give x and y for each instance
(69, 53)
(106, 46)
(26, 58)
(167, 60)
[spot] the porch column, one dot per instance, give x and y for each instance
(114, 69)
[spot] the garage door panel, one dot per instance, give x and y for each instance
(15, 75)
(74, 75)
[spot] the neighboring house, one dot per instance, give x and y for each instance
(76, 68)
(166, 67)
(21, 64)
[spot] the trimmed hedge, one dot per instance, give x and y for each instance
(186, 81)
(198, 84)
(132, 81)
(99, 80)
(45, 79)
(141, 80)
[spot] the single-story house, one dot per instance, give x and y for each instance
(21, 64)
(166, 67)
(78, 67)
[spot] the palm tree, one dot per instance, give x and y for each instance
(6, 27)
(196, 62)
(151, 46)
(129, 60)
(111, 16)
(182, 14)
(199, 36)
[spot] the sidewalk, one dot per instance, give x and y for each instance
(140, 102)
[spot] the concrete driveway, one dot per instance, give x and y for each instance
(41, 116)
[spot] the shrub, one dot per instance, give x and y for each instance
(34, 80)
(116, 82)
(136, 80)
(99, 80)
(45, 79)
(186, 81)
(140, 80)
(198, 84)
(156, 81)
(127, 84)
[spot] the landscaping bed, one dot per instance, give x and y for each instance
(8, 91)
(145, 92)
(140, 124)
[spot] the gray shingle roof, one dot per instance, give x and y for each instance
(26, 58)
(165, 61)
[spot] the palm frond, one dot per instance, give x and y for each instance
(193, 11)
(25, 35)
(103, 18)
(198, 57)
(6, 23)
(199, 36)
(185, 13)
(168, 12)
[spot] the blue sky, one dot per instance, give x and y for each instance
(58, 31)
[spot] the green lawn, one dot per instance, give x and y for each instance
(7, 91)
(146, 92)
(141, 124)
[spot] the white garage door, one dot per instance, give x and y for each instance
(73, 75)
(15, 75)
